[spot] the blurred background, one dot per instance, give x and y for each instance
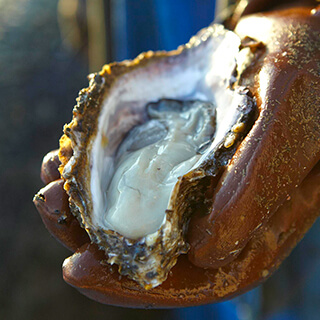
(47, 48)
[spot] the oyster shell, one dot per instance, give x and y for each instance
(113, 114)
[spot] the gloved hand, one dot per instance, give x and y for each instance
(267, 198)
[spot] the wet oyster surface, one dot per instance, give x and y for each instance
(147, 139)
(149, 162)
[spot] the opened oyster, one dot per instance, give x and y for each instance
(147, 138)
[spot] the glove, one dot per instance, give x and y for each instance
(265, 201)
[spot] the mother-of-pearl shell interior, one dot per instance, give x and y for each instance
(202, 71)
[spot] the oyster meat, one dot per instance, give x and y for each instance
(147, 139)
(149, 162)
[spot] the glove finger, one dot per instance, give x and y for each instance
(49, 167)
(53, 207)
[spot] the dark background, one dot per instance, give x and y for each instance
(44, 61)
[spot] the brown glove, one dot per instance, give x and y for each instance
(266, 200)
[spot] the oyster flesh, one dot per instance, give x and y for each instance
(146, 140)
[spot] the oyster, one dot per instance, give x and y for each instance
(147, 138)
